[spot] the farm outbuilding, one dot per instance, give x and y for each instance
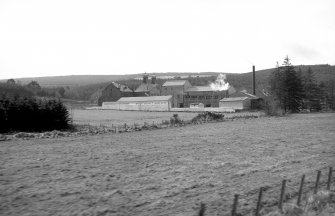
(150, 103)
(240, 101)
(114, 92)
(236, 103)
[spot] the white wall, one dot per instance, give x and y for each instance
(110, 105)
(237, 105)
(142, 106)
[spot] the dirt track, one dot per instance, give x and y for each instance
(164, 172)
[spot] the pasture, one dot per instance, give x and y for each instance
(116, 117)
(165, 172)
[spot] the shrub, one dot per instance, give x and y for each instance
(272, 107)
(175, 119)
(208, 116)
(31, 114)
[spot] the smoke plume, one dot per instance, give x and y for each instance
(220, 83)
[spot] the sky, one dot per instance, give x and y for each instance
(72, 37)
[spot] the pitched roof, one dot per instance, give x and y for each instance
(145, 87)
(121, 87)
(243, 94)
(175, 83)
(144, 99)
(199, 89)
(234, 99)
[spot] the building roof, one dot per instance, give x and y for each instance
(121, 87)
(146, 87)
(233, 99)
(175, 83)
(205, 88)
(199, 89)
(144, 99)
(243, 94)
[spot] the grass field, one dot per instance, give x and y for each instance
(165, 172)
(115, 117)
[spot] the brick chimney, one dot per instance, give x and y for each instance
(253, 80)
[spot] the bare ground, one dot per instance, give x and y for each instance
(165, 172)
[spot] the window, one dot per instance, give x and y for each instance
(194, 97)
(216, 97)
(208, 97)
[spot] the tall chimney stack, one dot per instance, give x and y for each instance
(253, 80)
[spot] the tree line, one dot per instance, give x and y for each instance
(20, 110)
(291, 91)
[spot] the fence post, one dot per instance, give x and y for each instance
(233, 211)
(259, 201)
(202, 209)
(300, 189)
(317, 182)
(329, 177)
(281, 198)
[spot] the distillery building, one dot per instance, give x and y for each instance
(205, 96)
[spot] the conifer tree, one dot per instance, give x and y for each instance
(312, 91)
(286, 86)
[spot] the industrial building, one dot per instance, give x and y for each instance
(177, 89)
(180, 94)
(114, 92)
(148, 88)
(150, 103)
(206, 96)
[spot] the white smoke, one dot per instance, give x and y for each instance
(220, 83)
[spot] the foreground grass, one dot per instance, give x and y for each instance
(165, 172)
(320, 204)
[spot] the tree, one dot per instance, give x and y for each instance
(286, 86)
(312, 91)
(34, 87)
(11, 82)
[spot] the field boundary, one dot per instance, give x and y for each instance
(87, 129)
(281, 201)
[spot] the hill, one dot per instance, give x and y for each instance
(322, 73)
(89, 87)
(73, 80)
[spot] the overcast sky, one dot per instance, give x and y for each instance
(70, 37)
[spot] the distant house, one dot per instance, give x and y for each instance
(176, 88)
(149, 103)
(114, 92)
(148, 88)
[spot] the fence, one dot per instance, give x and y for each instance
(281, 197)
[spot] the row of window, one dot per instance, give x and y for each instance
(202, 97)
(147, 103)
